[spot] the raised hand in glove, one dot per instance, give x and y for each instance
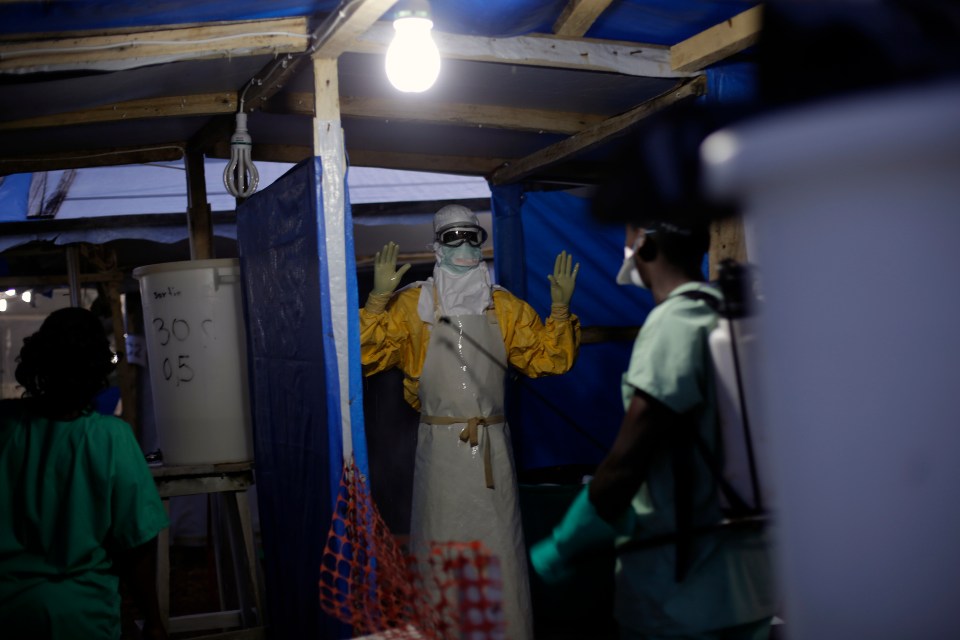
(386, 277)
(563, 279)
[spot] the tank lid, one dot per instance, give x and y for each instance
(186, 265)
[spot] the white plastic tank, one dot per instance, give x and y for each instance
(196, 351)
(854, 209)
(741, 441)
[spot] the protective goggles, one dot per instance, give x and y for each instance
(456, 236)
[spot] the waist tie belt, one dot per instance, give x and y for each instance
(471, 434)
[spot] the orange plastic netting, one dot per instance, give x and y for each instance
(368, 582)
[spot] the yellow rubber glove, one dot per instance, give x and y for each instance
(563, 279)
(386, 277)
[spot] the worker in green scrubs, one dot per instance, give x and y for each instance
(78, 506)
(654, 496)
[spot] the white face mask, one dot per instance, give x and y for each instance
(628, 273)
(459, 259)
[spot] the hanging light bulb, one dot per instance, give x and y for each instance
(240, 177)
(26, 296)
(413, 60)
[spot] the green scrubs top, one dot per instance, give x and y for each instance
(70, 492)
(729, 581)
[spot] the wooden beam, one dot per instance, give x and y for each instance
(298, 103)
(718, 42)
(342, 33)
(90, 158)
(578, 16)
(164, 106)
(199, 221)
(73, 273)
(338, 30)
(32, 282)
(215, 134)
(326, 94)
(417, 257)
(596, 135)
(131, 50)
(465, 165)
(422, 162)
(390, 209)
(727, 240)
(134, 221)
(272, 77)
(633, 59)
(126, 372)
(472, 115)
(263, 152)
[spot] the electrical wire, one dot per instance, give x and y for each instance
(240, 176)
(317, 37)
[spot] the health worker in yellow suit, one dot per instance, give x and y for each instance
(453, 337)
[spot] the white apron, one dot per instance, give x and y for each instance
(452, 499)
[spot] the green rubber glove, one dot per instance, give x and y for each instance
(563, 279)
(386, 276)
(580, 530)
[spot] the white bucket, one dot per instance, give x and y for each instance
(854, 208)
(196, 348)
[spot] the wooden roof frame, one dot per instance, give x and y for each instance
(360, 30)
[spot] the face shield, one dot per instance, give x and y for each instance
(458, 246)
(629, 274)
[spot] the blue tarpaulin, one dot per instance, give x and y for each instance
(569, 419)
(572, 419)
(663, 22)
(14, 194)
(295, 381)
(296, 377)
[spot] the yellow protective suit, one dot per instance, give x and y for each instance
(464, 484)
(397, 337)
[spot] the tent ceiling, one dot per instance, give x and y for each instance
(533, 106)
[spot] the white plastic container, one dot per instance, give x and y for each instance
(738, 448)
(196, 350)
(854, 209)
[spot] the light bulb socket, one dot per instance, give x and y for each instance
(241, 122)
(413, 9)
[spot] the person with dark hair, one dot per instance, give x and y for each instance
(78, 506)
(654, 495)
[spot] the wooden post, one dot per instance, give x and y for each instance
(328, 146)
(726, 241)
(73, 274)
(198, 210)
(133, 314)
(126, 372)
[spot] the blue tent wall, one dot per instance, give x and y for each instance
(731, 83)
(295, 387)
(548, 415)
(14, 195)
(653, 21)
